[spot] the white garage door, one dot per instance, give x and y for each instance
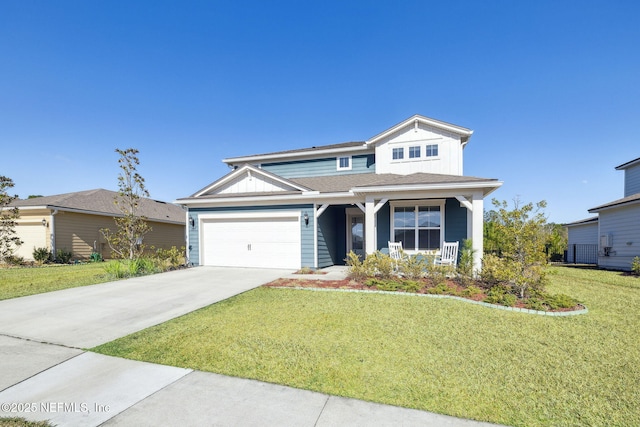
(251, 241)
(32, 236)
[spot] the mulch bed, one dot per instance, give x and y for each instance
(349, 284)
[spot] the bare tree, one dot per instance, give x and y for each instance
(126, 241)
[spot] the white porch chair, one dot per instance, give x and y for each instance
(395, 252)
(448, 255)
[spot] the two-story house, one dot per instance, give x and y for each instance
(310, 207)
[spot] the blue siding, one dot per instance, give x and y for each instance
(306, 231)
(455, 221)
(384, 226)
(320, 167)
(332, 237)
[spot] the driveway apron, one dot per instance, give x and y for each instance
(91, 315)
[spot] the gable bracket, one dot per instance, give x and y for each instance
(321, 209)
(465, 203)
(379, 205)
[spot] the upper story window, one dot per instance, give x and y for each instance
(344, 163)
(414, 152)
(398, 153)
(432, 150)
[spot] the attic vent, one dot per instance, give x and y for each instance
(159, 201)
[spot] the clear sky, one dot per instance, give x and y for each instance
(550, 88)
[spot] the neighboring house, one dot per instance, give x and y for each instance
(310, 207)
(72, 222)
(618, 223)
(582, 246)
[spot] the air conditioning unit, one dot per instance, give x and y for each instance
(606, 241)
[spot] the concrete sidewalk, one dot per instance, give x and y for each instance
(60, 382)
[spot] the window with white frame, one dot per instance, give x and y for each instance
(417, 226)
(432, 150)
(344, 163)
(397, 153)
(414, 152)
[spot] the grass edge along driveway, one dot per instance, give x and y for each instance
(438, 355)
(24, 281)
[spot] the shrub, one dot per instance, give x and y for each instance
(357, 270)
(438, 273)
(170, 259)
(95, 257)
(635, 266)
(471, 291)
(380, 265)
(42, 255)
(413, 267)
(500, 295)
(412, 286)
(116, 269)
(63, 256)
(465, 265)
(13, 260)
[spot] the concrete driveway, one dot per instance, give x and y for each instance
(45, 374)
(91, 315)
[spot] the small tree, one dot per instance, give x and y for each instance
(9, 241)
(126, 242)
(523, 246)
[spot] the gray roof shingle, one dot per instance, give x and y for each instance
(101, 201)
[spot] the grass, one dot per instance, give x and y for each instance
(19, 282)
(437, 355)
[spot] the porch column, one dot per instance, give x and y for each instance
(370, 225)
(477, 222)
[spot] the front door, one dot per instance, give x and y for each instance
(355, 233)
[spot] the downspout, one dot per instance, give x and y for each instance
(52, 236)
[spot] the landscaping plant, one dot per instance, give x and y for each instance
(9, 241)
(126, 241)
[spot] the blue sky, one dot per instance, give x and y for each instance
(551, 88)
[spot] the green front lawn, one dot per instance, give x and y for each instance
(19, 282)
(433, 354)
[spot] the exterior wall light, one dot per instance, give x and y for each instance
(192, 222)
(306, 219)
(44, 222)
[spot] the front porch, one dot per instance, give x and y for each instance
(420, 224)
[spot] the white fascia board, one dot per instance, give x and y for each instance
(241, 171)
(266, 200)
(463, 132)
(294, 155)
(429, 187)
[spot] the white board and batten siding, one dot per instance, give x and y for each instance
(258, 240)
(448, 161)
(622, 225)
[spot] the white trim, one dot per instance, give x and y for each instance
(414, 120)
(265, 215)
(315, 236)
(417, 204)
(344, 168)
(264, 158)
(247, 169)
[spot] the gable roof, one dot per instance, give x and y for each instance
(349, 184)
(354, 146)
(634, 198)
(628, 164)
(587, 221)
(101, 202)
(286, 185)
(464, 133)
(332, 149)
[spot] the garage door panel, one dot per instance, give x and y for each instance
(251, 242)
